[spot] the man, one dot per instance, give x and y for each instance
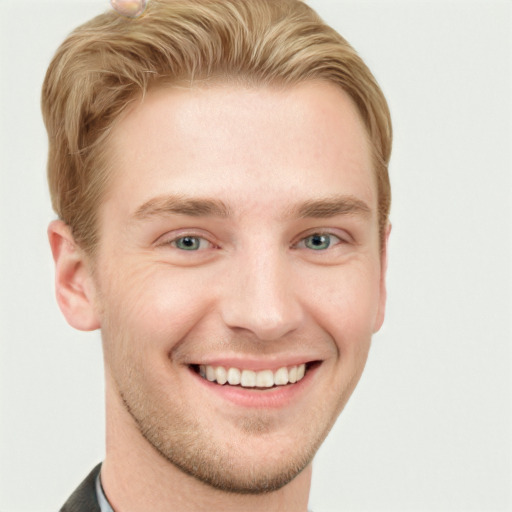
(219, 168)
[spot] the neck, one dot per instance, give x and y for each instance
(136, 478)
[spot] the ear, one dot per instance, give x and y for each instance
(379, 319)
(74, 286)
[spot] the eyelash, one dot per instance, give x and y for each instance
(301, 244)
(303, 241)
(190, 237)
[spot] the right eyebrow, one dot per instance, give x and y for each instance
(181, 205)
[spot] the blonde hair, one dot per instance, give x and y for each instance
(107, 62)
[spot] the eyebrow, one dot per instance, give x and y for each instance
(332, 207)
(179, 205)
(203, 207)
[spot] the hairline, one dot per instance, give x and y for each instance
(136, 100)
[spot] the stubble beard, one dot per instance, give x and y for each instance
(179, 435)
(186, 445)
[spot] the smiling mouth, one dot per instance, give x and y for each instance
(263, 379)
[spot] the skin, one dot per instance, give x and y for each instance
(270, 168)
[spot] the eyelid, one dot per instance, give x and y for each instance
(168, 238)
(333, 243)
(341, 235)
(202, 242)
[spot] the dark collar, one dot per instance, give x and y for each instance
(84, 499)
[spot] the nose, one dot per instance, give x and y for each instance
(260, 296)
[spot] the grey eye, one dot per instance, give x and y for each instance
(318, 242)
(188, 243)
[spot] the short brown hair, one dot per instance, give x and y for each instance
(110, 60)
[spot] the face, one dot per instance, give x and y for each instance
(239, 276)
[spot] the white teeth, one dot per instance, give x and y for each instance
(210, 373)
(252, 379)
(281, 377)
(220, 374)
(265, 379)
(234, 376)
(248, 379)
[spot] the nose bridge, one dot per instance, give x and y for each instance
(260, 295)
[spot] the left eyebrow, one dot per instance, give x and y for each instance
(332, 207)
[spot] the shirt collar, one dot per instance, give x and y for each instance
(102, 499)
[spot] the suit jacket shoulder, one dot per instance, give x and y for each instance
(84, 499)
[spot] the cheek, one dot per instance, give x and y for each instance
(345, 303)
(153, 304)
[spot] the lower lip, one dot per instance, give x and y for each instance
(269, 398)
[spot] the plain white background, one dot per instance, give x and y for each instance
(429, 427)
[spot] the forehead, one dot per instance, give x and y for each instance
(239, 143)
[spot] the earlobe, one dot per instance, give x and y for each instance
(379, 320)
(74, 286)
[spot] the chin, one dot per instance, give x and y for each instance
(254, 457)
